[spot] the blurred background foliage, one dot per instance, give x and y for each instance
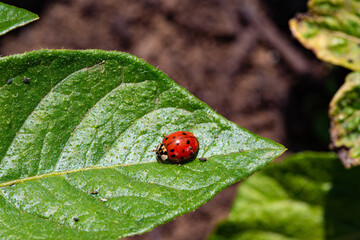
(308, 195)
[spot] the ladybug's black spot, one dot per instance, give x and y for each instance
(188, 142)
(173, 155)
(177, 143)
(166, 138)
(191, 148)
(173, 137)
(183, 133)
(182, 158)
(172, 150)
(183, 150)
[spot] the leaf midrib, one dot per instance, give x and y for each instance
(52, 174)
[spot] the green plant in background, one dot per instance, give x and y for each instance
(331, 29)
(12, 17)
(310, 195)
(307, 196)
(78, 130)
(344, 109)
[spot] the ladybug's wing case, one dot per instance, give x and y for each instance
(175, 135)
(182, 148)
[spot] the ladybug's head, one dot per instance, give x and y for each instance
(161, 152)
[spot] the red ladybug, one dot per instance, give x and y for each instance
(178, 147)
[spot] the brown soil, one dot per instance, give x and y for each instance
(230, 54)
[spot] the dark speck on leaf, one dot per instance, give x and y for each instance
(350, 61)
(9, 81)
(26, 80)
(76, 219)
(203, 159)
(94, 192)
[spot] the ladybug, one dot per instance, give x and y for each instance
(178, 147)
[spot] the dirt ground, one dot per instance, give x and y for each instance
(236, 55)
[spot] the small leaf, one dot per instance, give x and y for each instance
(12, 17)
(345, 121)
(307, 196)
(78, 130)
(331, 29)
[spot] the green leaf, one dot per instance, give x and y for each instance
(307, 196)
(12, 17)
(331, 29)
(345, 120)
(73, 122)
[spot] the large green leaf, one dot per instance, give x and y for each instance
(345, 120)
(12, 17)
(331, 29)
(72, 122)
(307, 196)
